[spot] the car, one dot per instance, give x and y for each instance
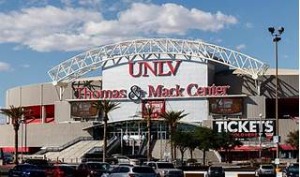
(8, 158)
(92, 169)
(215, 171)
(292, 170)
(63, 170)
(165, 169)
(26, 170)
(39, 162)
(265, 170)
(133, 170)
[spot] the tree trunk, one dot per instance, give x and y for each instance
(16, 147)
(204, 157)
(171, 143)
(191, 153)
(174, 147)
(226, 155)
(175, 152)
(104, 139)
(182, 155)
(149, 139)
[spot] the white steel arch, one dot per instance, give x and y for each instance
(123, 52)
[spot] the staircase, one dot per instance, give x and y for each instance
(73, 153)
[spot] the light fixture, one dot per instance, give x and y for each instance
(280, 30)
(271, 30)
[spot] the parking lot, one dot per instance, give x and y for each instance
(197, 173)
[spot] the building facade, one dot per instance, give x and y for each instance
(203, 80)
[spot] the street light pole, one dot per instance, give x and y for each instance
(260, 134)
(276, 38)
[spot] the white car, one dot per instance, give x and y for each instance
(266, 170)
(165, 169)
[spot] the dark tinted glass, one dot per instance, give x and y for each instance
(23, 167)
(165, 165)
(267, 167)
(293, 169)
(115, 170)
(96, 166)
(142, 170)
(67, 169)
(216, 169)
(37, 161)
(124, 169)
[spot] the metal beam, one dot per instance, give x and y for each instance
(120, 53)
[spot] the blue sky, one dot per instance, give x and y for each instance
(36, 35)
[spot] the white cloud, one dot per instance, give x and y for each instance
(25, 66)
(51, 28)
(5, 67)
(240, 47)
(249, 25)
(90, 2)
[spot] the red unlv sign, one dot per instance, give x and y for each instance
(154, 68)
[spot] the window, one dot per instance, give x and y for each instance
(124, 170)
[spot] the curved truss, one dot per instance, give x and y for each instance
(151, 49)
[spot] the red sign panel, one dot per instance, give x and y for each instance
(219, 106)
(157, 105)
(83, 109)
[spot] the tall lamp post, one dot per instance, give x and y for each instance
(276, 34)
(260, 135)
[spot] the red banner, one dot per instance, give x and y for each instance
(157, 105)
(226, 106)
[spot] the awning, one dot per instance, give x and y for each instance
(283, 147)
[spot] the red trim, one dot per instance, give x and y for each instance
(284, 147)
(287, 147)
(243, 148)
(49, 119)
(12, 149)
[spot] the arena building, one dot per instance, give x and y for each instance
(217, 87)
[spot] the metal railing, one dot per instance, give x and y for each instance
(64, 146)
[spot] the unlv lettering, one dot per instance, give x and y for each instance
(157, 68)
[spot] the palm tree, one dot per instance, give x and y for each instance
(172, 118)
(148, 111)
(105, 107)
(15, 114)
